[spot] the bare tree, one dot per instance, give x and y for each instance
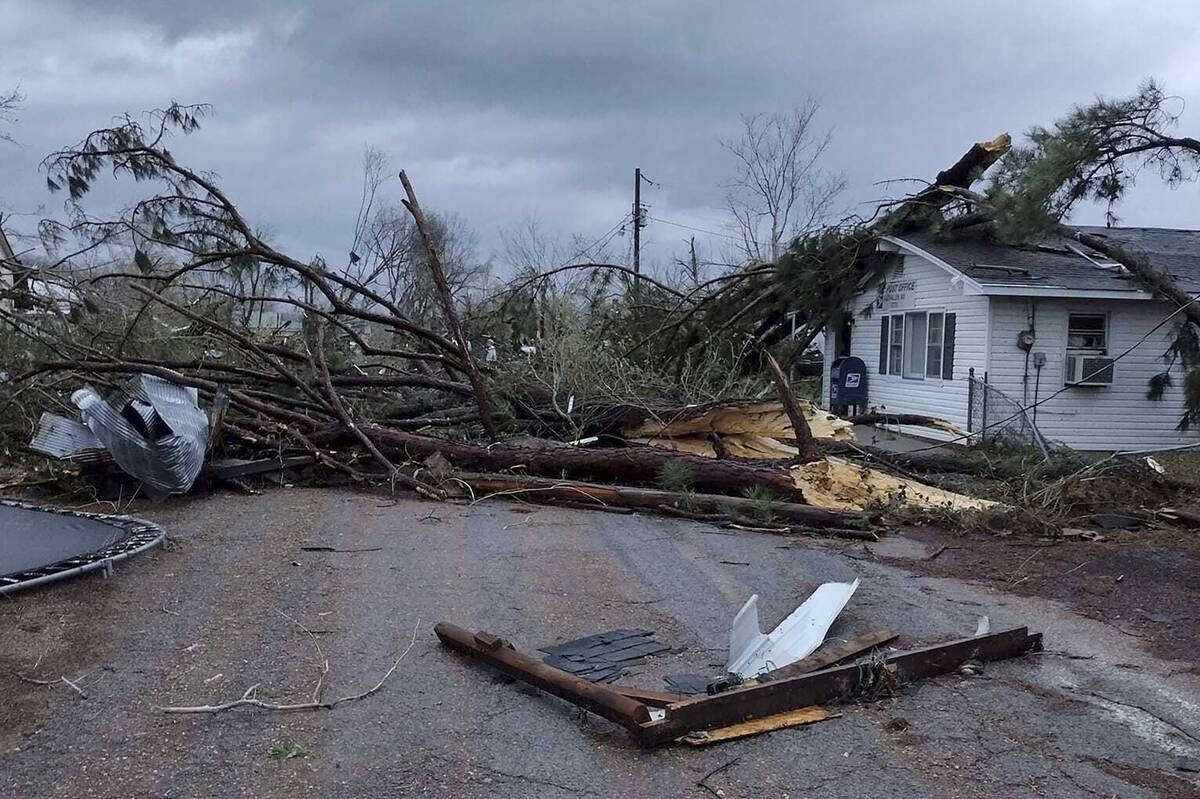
(779, 190)
(386, 252)
(395, 262)
(10, 103)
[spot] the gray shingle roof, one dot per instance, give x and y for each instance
(1053, 265)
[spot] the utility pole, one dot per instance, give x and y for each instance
(637, 230)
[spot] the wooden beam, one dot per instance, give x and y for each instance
(843, 682)
(495, 651)
(648, 697)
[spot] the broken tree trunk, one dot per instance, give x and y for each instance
(964, 172)
(622, 465)
(536, 489)
(804, 436)
(478, 383)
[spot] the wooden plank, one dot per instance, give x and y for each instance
(792, 718)
(821, 687)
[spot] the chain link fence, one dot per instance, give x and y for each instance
(994, 416)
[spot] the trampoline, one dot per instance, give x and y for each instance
(39, 545)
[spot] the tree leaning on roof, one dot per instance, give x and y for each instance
(1095, 153)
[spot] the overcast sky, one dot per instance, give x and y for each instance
(502, 111)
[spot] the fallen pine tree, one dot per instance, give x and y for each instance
(366, 378)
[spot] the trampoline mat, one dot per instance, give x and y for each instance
(31, 538)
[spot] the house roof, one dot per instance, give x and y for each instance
(1060, 265)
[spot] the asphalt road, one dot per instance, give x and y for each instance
(221, 610)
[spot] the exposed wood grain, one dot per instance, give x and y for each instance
(791, 718)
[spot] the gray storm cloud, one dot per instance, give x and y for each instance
(502, 111)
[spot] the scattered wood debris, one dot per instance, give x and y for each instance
(747, 709)
(747, 429)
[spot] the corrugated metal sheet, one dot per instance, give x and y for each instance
(67, 439)
(167, 453)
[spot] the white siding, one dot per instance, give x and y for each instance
(1089, 418)
(932, 291)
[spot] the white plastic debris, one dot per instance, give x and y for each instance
(984, 627)
(751, 653)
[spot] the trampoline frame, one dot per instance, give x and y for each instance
(139, 536)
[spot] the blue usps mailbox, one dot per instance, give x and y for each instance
(847, 385)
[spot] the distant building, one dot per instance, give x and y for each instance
(8, 268)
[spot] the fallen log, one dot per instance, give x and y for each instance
(639, 465)
(536, 489)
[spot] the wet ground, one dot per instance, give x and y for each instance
(220, 610)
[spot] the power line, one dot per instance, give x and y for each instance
(696, 229)
(603, 239)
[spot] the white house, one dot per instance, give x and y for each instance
(1056, 329)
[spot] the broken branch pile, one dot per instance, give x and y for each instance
(350, 375)
(337, 369)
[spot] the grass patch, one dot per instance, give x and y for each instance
(286, 750)
(676, 477)
(764, 503)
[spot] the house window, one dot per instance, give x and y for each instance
(896, 347)
(917, 345)
(1087, 334)
(915, 325)
(933, 346)
(1087, 363)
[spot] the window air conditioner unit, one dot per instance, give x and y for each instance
(1089, 370)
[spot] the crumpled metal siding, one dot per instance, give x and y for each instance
(67, 439)
(167, 464)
